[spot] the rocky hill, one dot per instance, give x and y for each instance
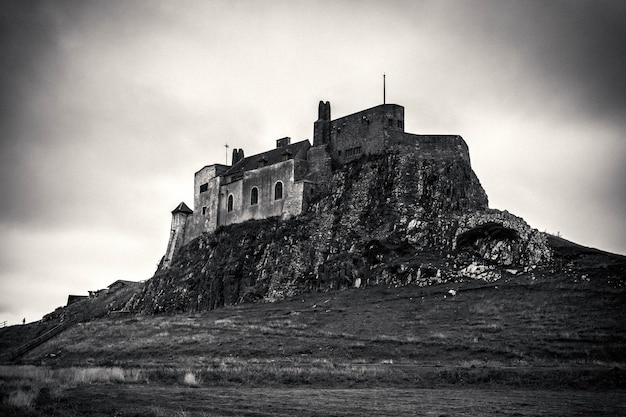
(397, 218)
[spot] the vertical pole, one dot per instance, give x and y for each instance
(226, 146)
(384, 90)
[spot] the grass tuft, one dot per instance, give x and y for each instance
(191, 380)
(24, 386)
(22, 399)
(75, 376)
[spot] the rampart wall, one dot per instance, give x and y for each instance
(362, 133)
(431, 146)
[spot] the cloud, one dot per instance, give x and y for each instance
(575, 48)
(43, 266)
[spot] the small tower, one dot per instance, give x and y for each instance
(180, 215)
(317, 156)
(321, 127)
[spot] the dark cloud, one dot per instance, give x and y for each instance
(28, 44)
(577, 46)
(25, 39)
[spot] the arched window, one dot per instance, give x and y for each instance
(278, 191)
(230, 203)
(254, 196)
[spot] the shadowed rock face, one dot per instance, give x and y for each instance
(396, 218)
(486, 232)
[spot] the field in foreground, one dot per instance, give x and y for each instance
(108, 400)
(541, 343)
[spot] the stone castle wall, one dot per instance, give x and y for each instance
(207, 183)
(431, 146)
(264, 179)
(363, 133)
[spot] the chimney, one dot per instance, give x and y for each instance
(321, 127)
(283, 142)
(237, 155)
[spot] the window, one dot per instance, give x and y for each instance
(401, 124)
(353, 151)
(390, 122)
(278, 191)
(254, 196)
(204, 211)
(204, 187)
(230, 203)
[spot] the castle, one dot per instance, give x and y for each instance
(281, 181)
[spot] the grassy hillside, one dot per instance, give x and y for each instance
(546, 342)
(526, 320)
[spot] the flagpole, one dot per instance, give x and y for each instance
(226, 146)
(384, 90)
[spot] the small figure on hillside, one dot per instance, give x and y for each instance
(24, 321)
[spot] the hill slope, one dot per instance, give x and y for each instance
(521, 322)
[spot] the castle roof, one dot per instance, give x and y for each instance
(269, 157)
(182, 208)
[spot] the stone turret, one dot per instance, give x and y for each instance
(180, 216)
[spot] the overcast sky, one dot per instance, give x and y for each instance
(109, 107)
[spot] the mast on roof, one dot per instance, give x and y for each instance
(384, 90)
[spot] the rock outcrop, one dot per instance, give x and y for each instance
(398, 218)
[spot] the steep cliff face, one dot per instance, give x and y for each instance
(397, 218)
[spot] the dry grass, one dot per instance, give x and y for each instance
(163, 412)
(23, 385)
(191, 380)
(21, 398)
(71, 376)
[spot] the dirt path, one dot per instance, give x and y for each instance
(142, 400)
